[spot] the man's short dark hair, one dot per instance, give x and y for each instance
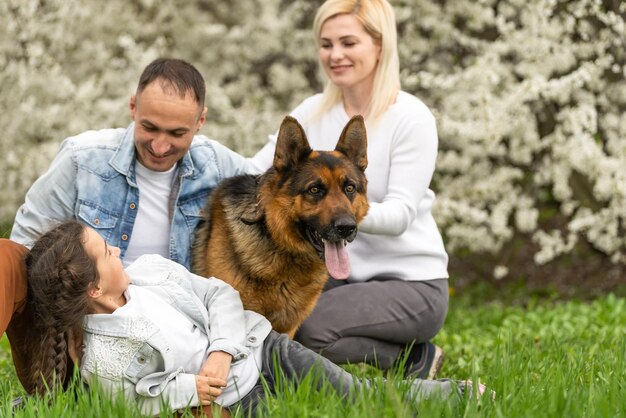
(174, 73)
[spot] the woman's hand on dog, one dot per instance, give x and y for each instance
(212, 377)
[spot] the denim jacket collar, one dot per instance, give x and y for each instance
(120, 326)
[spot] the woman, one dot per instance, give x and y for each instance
(157, 333)
(396, 299)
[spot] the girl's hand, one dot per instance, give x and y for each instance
(208, 389)
(215, 369)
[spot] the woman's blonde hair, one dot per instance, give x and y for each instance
(379, 22)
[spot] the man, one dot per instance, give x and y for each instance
(141, 187)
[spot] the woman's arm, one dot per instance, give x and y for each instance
(411, 166)
(264, 158)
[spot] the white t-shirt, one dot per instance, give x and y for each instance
(399, 236)
(151, 231)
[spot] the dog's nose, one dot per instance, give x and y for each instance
(345, 226)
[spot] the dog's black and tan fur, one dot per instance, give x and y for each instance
(269, 235)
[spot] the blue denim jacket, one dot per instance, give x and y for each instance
(93, 180)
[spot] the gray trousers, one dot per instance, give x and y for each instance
(290, 359)
(374, 321)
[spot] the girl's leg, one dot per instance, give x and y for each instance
(294, 361)
(374, 321)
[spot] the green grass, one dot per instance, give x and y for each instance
(5, 228)
(554, 359)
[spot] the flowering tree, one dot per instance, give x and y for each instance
(529, 97)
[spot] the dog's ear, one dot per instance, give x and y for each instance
(291, 146)
(254, 212)
(353, 142)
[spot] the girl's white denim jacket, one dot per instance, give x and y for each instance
(130, 355)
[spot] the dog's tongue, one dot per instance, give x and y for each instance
(337, 261)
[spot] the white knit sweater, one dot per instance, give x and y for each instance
(399, 236)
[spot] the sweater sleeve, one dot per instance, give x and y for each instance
(264, 158)
(232, 163)
(411, 167)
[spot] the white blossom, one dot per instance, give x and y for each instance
(500, 271)
(528, 95)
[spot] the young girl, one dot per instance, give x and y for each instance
(157, 332)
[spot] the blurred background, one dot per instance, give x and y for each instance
(529, 96)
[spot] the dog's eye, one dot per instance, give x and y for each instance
(314, 190)
(350, 188)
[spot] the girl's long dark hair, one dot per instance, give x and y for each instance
(60, 273)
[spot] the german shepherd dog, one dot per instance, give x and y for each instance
(276, 237)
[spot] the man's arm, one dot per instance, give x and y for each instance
(50, 200)
(232, 163)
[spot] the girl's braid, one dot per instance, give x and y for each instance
(60, 273)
